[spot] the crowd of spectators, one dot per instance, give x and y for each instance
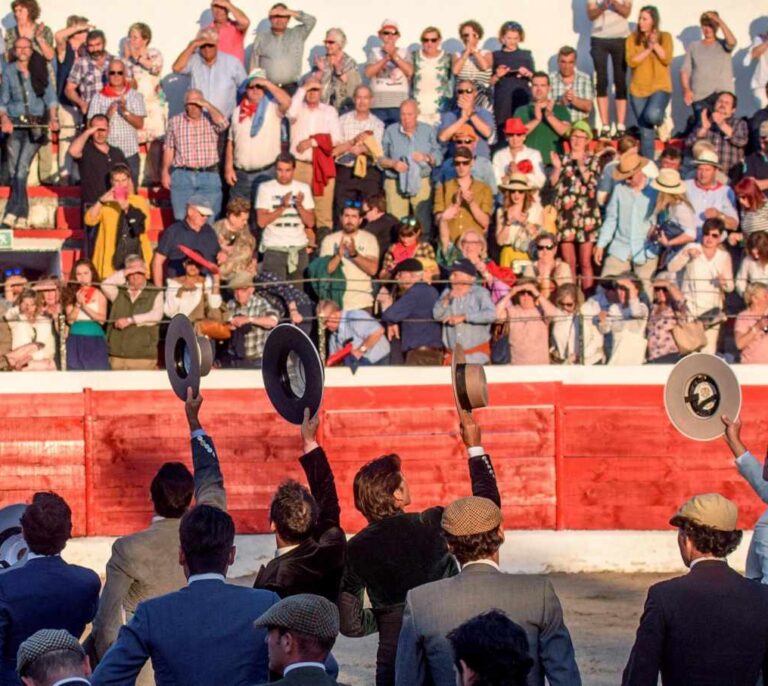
(543, 236)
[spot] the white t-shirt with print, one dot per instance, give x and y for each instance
(287, 231)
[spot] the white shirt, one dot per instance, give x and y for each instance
(299, 665)
(703, 559)
(490, 563)
(187, 301)
(750, 271)
(390, 86)
(261, 150)
(286, 231)
(701, 283)
(359, 292)
(306, 122)
(760, 75)
(351, 127)
(610, 24)
(211, 576)
(503, 158)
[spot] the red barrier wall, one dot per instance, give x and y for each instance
(567, 456)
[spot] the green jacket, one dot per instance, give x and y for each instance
(133, 342)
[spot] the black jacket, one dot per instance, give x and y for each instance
(709, 628)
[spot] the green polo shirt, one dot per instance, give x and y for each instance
(543, 138)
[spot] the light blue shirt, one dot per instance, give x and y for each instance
(12, 99)
(399, 146)
(628, 219)
(357, 326)
(719, 197)
(480, 313)
(218, 82)
(757, 556)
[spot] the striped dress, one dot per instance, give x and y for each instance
(481, 79)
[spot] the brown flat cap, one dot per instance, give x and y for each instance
(708, 509)
(305, 613)
(472, 515)
(43, 642)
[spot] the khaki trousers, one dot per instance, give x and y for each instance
(324, 202)
(613, 266)
(123, 363)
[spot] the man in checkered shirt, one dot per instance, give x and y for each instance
(570, 87)
(191, 154)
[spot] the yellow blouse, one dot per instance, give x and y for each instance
(651, 74)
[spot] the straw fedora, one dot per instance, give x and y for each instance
(629, 163)
(669, 181)
(707, 157)
(516, 182)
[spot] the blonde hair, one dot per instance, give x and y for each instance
(752, 290)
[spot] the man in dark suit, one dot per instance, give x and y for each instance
(474, 531)
(202, 634)
(46, 592)
(302, 630)
(52, 657)
(711, 625)
(398, 551)
(145, 565)
(310, 541)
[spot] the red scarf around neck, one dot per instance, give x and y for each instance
(110, 92)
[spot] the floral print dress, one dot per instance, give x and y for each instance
(578, 213)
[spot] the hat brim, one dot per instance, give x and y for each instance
(619, 175)
(293, 373)
(701, 388)
(680, 189)
(188, 357)
(10, 516)
(515, 187)
(465, 386)
(699, 163)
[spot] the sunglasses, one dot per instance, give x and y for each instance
(461, 163)
(329, 42)
(279, 16)
(516, 135)
(254, 86)
(208, 45)
(116, 73)
(513, 26)
(715, 234)
(549, 246)
(464, 141)
(16, 271)
(357, 204)
(430, 40)
(467, 36)
(465, 91)
(528, 293)
(312, 90)
(390, 33)
(568, 305)
(409, 221)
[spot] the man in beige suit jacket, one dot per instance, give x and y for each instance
(146, 565)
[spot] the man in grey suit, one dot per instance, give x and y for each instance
(474, 531)
(145, 565)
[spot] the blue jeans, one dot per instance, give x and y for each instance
(185, 183)
(21, 151)
(247, 185)
(649, 113)
(389, 115)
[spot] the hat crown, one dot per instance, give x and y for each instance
(708, 157)
(710, 509)
(470, 516)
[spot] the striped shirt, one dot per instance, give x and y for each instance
(121, 134)
(581, 86)
(90, 78)
(752, 222)
(194, 141)
(351, 126)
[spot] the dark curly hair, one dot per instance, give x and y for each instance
(172, 490)
(708, 540)
(474, 547)
(293, 511)
(47, 524)
(375, 485)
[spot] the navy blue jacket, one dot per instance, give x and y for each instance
(44, 593)
(198, 636)
(416, 303)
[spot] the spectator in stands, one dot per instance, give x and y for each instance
(710, 198)
(28, 324)
(649, 54)
(191, 154)
(357, 175)
(675, 217)
(548, 270)
(89, 72)
(338, 72)
(709, 624)
(237, 245)
(15, 283)
(490, 647)
(610, 160)
(280, 50)
(528, 314)
(671, 158)
(753, 204)
(169, 631)
(409, 245)
(411, 152)
(570, 87)
(519, 220)
(231, 31)
(471, 244)
(727, 133)
(52, 656)
(546, 121)
(86, 309)
(468, 114)
(356, 252)
(124, 108)
(379, 223)
(137, 308)
(382, 495)
(707, 69)
(626, 321)
(369, 344)
(122, 219)
(45, 592)
(575, 178)
(409, 317)
(253, 143)
(284, 210)
(432, 78)
(628, 221)
(69, 44)
(575, 337)
(610, 29)
(754, 266)
(463, 202)
(216, 75)
(466, 311)
(755, 124)
(512, 70)
(147, 66)
(293, 302)
(482, 168)
(756, 163)
(27, 95)
(751, 329)
(193, 294)
(517, 156)
(389, 72)
(250, 317)
(668, 311)
(315, 131)
(473, 63)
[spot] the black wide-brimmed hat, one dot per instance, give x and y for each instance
(188, 357)
(470, 389)
(293, 373)
(699, 391)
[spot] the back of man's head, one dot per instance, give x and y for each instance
(49, 656)
(472, 529)
(207, 536)
(293, 511)
(172, 490)
(374, 488)
(47, 524)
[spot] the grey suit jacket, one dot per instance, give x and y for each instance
(424, 655)
(145, 565)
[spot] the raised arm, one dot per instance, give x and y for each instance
(209, 481)
(481, 471)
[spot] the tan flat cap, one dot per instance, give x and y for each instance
(43, 642)
(305, 613)
(708, 509)
(472, 515)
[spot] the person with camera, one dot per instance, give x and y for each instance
(27, 97)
